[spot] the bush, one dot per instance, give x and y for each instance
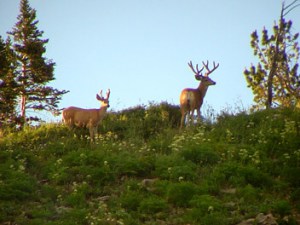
(215, 218)
(207, 209)
(249, 194)
(127, 164)
(240, 175)
(206, 204)
(153, 205)
(175, 168)
(291, 175)
(131, 200)
(180, 194)
(17, 186)
(202, 154)
(282, 208)
(141, 121)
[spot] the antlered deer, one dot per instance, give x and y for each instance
(192, 99)
(90, 118)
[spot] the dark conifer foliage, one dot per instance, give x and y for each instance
(34, 71)
(8, 84)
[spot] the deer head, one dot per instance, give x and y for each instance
(104, 101)
(205, 79)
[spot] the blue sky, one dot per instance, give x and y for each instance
(140, 48)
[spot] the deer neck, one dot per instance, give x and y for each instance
(103, 108)
(202, 88)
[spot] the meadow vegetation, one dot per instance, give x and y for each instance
(143, 170)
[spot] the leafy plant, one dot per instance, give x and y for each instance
(200, 154)
(180, 194)
(153, 205)
(282, 208)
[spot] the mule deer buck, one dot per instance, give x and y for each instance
(192, 99)
(90, 118)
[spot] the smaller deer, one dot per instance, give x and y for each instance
(192, 99)
(90, 118)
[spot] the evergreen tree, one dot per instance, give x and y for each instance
(34, 70)
(8, 85)
(275, 79)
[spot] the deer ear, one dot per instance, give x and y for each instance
(98, 97)
(198, 77)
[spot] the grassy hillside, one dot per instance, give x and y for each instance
(143, 170)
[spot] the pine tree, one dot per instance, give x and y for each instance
(275, 79)
(34, 70)
(8, 85)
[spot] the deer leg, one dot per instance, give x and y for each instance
(191, 118)
(96, 132)
(91, 133)
(198, 116)
(183, 117)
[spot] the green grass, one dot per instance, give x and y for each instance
(218, 172)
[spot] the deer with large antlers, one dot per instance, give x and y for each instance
(90, 118)
(192, 99)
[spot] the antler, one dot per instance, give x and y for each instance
(198, 72)
(208, 70)
(99, 97)
(108, 94)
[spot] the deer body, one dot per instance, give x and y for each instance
(192, 99)
(89, 118)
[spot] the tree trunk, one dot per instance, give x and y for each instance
(23, 97)
(274, 64)
(270, 90)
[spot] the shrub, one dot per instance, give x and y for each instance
(291, 175)
(76, 200)
(141, 121)
(127, 164)
(174, 167)
(207, 209)
(282, 208)
(240, 175)
(202, 154)
(206, 204)
(17, 186)
(131, 200)
(256, 177)
(295, 196)
(215, 218)
(153, 205)
(248, 193)
(180, 194)
(76, 216)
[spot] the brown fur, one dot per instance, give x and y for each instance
(192, 99)
(89, 118)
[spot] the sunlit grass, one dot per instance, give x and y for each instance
(143, 170)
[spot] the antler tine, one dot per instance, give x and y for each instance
(215, 67)
(101, 94)
(108, 94)
(208, 70)
(193, 69)
(199, 71)
(205, 65)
